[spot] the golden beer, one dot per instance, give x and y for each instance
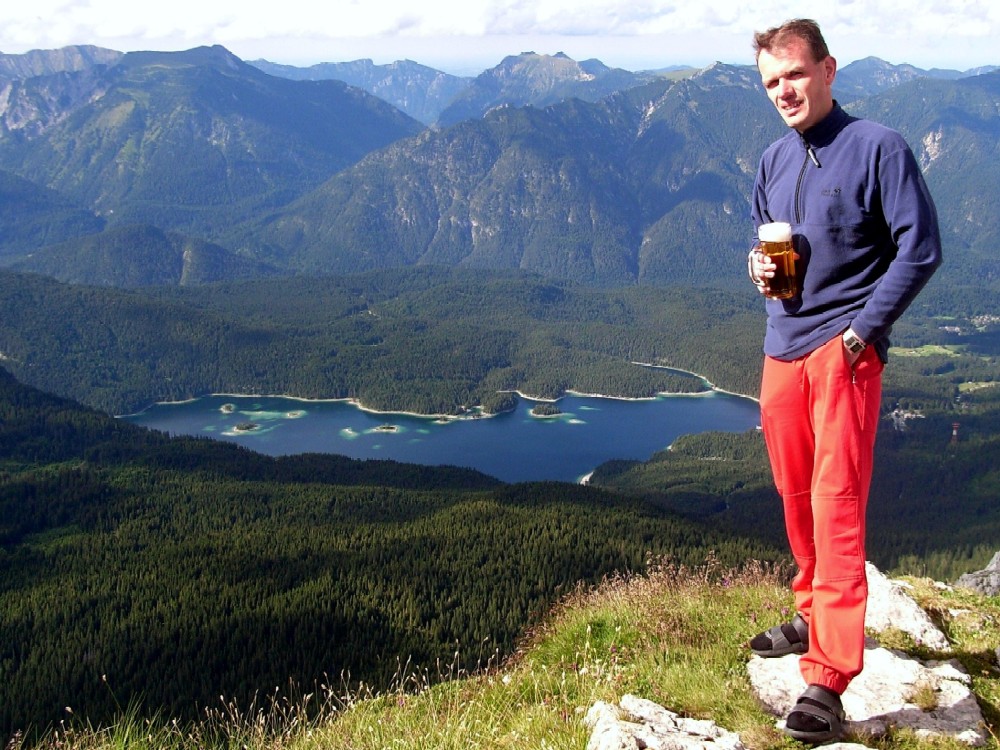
(776, 243)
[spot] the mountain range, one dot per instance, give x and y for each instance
(573, 170)
(173, 224)
(419, 91)
(189, 140)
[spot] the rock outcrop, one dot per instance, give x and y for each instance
(986, 581)
(640, 723)
(893, 691)
(891, 606)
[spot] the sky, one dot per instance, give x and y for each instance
(465, 37)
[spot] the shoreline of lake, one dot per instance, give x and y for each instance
(516, 445)
(478, 413)
(711, 386)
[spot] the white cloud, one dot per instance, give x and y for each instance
(639, 33)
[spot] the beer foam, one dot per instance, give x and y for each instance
(778, 231)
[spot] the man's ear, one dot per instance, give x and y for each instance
(830, 66)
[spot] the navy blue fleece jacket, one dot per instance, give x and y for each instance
(864, 225)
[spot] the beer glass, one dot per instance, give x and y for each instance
(776, 243)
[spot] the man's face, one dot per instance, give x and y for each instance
(799, 87)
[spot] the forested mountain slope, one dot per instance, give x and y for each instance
(433, 340)
(195, 140)
(138, 568)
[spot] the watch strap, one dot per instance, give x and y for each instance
(853, 342)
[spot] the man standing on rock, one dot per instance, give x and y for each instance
(866, 236)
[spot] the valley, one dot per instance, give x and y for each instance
(174, 225)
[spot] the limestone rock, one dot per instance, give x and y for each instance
(986, 581)
(884, 695)
(607, 729)
(890, 605)
(894, 690)
(640, 723)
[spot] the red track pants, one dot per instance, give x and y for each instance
(819, 417)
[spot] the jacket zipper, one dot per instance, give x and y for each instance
(809, 157)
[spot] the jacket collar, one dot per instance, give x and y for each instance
(823, 132)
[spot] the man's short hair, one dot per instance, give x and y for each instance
(781, 36)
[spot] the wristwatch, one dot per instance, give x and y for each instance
(854, 344)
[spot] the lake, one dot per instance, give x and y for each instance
(514, 446)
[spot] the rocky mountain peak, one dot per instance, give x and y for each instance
(46, 62)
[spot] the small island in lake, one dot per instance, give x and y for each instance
(545, 410)
(387, 428)
(227, 408)
(246, 427)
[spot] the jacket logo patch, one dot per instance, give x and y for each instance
(831, 192)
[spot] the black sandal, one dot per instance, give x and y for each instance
(818, 716)
(787, 638)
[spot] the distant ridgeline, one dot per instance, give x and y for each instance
(216, 170)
